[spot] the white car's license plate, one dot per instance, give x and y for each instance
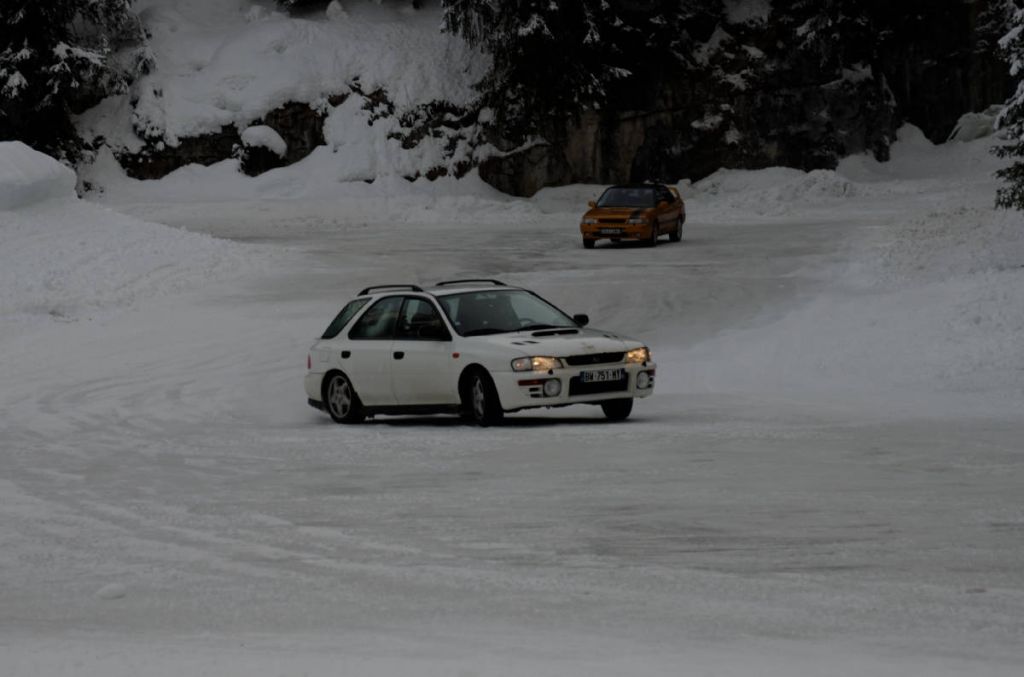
(611, 231)
(601, 376)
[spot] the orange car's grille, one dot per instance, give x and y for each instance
(618, 220)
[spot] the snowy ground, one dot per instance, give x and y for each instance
(828, 480)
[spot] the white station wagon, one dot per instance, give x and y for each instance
(479, 348)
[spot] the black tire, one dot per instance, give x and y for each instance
(481, 399)
(653, 240)
(341, 400)
(588, 243)
(677, 234)
(617, 410)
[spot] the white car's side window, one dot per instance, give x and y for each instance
(379, 321)
(420, 321)
(346, 314)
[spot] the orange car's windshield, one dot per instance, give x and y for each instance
(627, 197)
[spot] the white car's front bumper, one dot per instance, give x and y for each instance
(525, 389)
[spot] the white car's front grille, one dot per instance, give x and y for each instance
(593, 358)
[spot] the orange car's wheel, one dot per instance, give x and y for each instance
(677, 234)
(653, 240)
(588, 243)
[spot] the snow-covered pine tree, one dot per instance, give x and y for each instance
(55, 59)
(303, 6)
(992, 24)
(842, 39)
(840, 33)
(553, 60)
(1011, 195)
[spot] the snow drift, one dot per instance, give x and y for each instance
(64, 258)
(923, 303)
(27, 177)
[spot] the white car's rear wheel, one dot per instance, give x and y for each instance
(341, 400)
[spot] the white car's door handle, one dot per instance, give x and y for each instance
(399, 355)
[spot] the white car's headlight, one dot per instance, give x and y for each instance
(589, 221)
(536, 363)
(638, 355)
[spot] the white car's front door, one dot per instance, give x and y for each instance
(422, 365)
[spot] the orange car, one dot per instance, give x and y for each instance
(641, 212)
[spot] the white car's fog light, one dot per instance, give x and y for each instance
(643, 380)
(552, 387)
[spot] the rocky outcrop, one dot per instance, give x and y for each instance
(758, 102)
(697, 126)
(299, 124)
(158, 159)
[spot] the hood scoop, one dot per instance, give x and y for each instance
(556, 332)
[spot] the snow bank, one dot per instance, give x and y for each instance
(973, 126)
(228, 62)
(27, 176)
(926, 303)
(774, 191)
(64, 258)
(341, 179)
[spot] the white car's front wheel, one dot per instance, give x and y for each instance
(617, 410)
(340, 399)
(483, 402)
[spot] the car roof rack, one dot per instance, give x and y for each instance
(410, 287)
(471, 280)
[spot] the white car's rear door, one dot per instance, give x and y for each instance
(368, 363)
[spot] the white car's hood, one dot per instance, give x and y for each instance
(559, 343)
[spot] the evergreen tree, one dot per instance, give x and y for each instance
(554, 59)
(303, 6)
(55, 59)
(1011, 120)
(841, 33)
(994, 21)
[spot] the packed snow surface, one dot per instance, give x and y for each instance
(827, 480)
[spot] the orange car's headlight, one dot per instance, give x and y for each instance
(588, 221)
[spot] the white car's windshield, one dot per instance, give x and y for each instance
(499, 311)
(639, 197)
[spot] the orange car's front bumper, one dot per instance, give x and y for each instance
(616, 231)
